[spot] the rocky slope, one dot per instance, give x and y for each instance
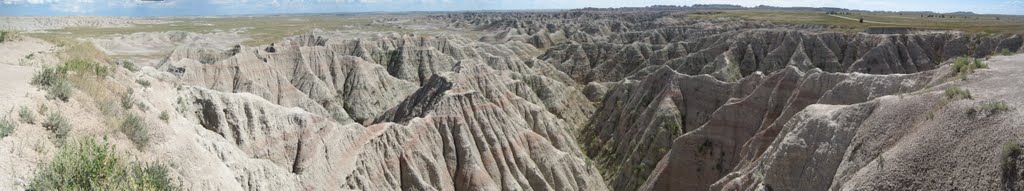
(716, 96)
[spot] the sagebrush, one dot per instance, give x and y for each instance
(91, 165)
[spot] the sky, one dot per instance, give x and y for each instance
(241, 7)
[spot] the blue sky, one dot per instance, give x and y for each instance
(234, 7)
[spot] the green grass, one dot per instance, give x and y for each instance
(261, 30)
(957, 93)
(58, 125)
(60, 81)
(7, 127)
(90, 165)
(973, 23)
(950, 95)
(990, 108)
(135, 128)
(130, 66)
(964, 66)
(26, 115)
(995, 106)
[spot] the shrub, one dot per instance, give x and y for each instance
(164, 116)
(142, 82)
(1005, 52)
(58, 125)
(54, 81)
(89, 165)
(135, 128)
(126, 100)
(127, 65)
(978, 64)
(82, 66)
(141, 106)
(1010, 151)
(995, 106)
(26, 115)
(47, 76)
(964, 66)
(7, 127)
(957, 93)
(61, 90)
(991, 107)
(151, 177)
(7, 36)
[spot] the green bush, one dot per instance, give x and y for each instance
(1005, 52)
(127, 65)
(58, 125)
(88, 165)
(7, 36)
(141, 106)
(54, 81)
(957, 93)
(47, 76)
(127, 100)
(82, 66)
(991, 107)
(1010, 151)
(26, 115)
(61, 90)
(151, 177)
(144, 83)
(7, 127)
(964, 66)
(135, 128)
(164, 116)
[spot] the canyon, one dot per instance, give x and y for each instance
(586, 99)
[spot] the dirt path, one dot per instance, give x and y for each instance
(865, 21)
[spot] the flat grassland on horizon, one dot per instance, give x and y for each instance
(964, 22)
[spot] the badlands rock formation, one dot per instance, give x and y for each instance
(708, 96)
(578, 100)
(446, 113)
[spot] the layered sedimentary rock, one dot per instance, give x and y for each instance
(891, 142)
(461, 130)
(733, 55)
(573, 101)
(440, 113)
(752, 79)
